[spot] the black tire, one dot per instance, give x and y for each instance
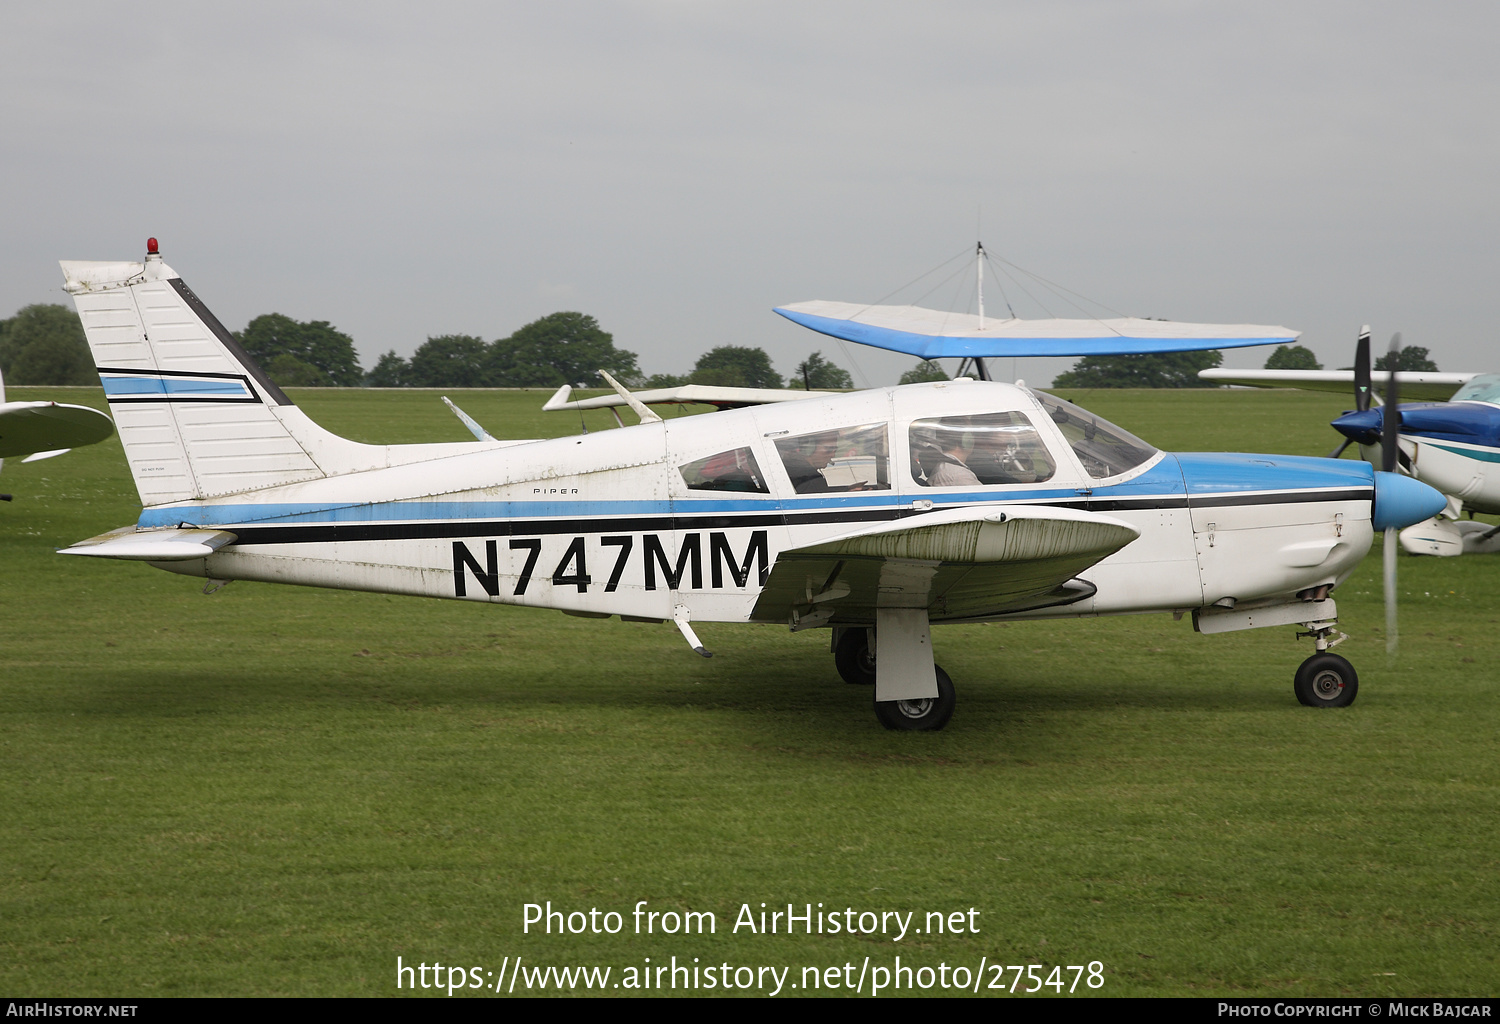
(853, 659)
(1326, 681)
(925, 714)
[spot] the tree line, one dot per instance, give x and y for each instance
(45, 344)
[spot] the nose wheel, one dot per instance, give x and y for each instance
(1326, 681)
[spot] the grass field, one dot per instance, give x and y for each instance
(278, 791)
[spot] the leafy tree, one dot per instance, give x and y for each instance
(1152, 370)
(44, 344)
(818, 374)
(732, 366)
(665, 380)
(289, 371)
(561, 348)
(316, 344)
(1411, 359)
(390, 372)
(1293, 357)
(449, 361)
(926, 370)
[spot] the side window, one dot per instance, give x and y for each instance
(992, 448)
(848, 459)
(726, 471)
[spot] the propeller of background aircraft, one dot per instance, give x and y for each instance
(1361, 381)
(1390, 449)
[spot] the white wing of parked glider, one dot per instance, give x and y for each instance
(687, 394)
(955, 564)
(1425, 387)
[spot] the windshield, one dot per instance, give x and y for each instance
(1483, 388)
(1104, 449)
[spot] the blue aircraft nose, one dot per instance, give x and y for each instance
(1401, 501)
(1361, 427)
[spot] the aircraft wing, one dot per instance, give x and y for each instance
(958, 563)
(29, 427)
(690, 394)
(934, 334)
(1421, 387)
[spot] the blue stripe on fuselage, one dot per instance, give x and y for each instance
(1174, 476)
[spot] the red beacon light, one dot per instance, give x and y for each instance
(151, 247)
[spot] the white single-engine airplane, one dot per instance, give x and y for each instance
(875, 513)
(40, 430)
(1450, 440)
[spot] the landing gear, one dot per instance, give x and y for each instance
(925, 713)
(1326, 681)
(852, 657)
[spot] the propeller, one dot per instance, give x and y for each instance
(1362, 370)
(1390, 449)
(1361, 381)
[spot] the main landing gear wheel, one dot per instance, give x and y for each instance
(1326, 681)
(926, 713)
(853, 659)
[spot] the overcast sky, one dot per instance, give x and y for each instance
(676, 169)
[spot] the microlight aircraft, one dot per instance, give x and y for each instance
(41, 430)
(874, 514)
(1451, 441)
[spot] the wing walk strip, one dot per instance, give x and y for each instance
(322, 533)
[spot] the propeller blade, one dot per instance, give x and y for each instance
(1340, 449)
(1362, 370)
(1391, 544)
(1391, 414)
(1390, 448)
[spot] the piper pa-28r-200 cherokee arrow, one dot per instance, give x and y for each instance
(874, 513)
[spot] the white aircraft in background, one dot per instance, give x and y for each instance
(40, 430)
(1451, 441)
(875, 513)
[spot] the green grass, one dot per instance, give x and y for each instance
(277, 790)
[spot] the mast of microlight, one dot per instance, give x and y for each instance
(979, 279)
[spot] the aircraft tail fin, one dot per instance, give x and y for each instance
(197, 416)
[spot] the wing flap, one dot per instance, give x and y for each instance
(959, 563)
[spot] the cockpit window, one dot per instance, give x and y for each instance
(992, 448)
(1104, 449)
(726, 471)
(847, 459)
(1483, 388)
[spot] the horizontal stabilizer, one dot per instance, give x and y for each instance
(687, 394)
(934, 334)
(174, 545)
(1415, 386)
(27, 427)
(957, 563)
